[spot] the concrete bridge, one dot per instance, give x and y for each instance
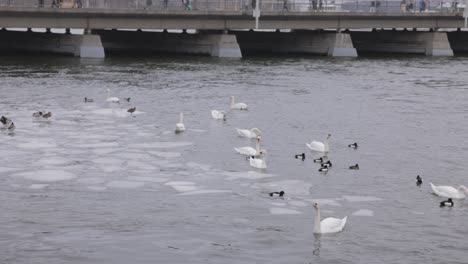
(231, 32)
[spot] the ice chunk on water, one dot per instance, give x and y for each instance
(38, 186)
(361, 198)
(182, 186)
(205, 192)
(165, 154)
(364, 212)
(158, 145)
(147, 179)
(298, 203)
(124, 184)
(37, 145)
(251, 175)
(46, 175)
(52, 161)
(172, 183)
(278, 204)
(140, 165)
(97, 188)
(197, 165)
(91, 180)
(283, 211)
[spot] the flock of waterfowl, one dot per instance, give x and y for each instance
(257, 159)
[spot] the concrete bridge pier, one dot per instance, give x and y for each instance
(342, 47)
(438, 44)
(90, 46)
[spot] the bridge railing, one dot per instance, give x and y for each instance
(377, 6)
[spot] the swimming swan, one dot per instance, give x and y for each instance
(319, 146)
(450, 192)
(220, 115)
(240, 106)
(249, 151)
(257, 162)
(327, 225)
(111, 99)
(249, 133)
(179, 127)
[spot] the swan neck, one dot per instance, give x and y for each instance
(317, 228)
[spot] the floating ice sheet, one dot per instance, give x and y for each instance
(251, 175)
(361, 198)
(205, 192)
(125, 184)
(158, 145)
(364, 212)
(165, 154)
(46, 175)
(283, 211)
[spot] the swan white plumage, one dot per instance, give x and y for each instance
(319, 146)
(450, 192)
(249, 151)
(180, 127)
(220, 115)
(329, 224)
(257, 162)
(111, 99)
(240, 106)
(249, 133)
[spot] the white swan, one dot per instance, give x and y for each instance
(257, 162)
(179, 127)
(240, 106)
(220, 115)
(249, 133)
(111, 99)
(249, 151)
(450, 192)
(329, 224)
(319, 146)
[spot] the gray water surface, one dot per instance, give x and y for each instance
(97, 185)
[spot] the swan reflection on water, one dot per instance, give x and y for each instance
(317, 245)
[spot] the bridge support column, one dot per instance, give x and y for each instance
(342, 47)
(438, 44)
(225, 46)
(90, 47)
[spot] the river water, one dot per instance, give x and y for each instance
(95, 184)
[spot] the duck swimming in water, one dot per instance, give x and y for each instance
(131, 110)
(448, 203)
(302, 156)
(37, 114)
(327, 164)
(88, 100)
(49, 114)
(354, 167)
(280, 194)
(418, 180)
(319, 160)
(354, 145)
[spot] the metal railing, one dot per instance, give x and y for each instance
(319, 6)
